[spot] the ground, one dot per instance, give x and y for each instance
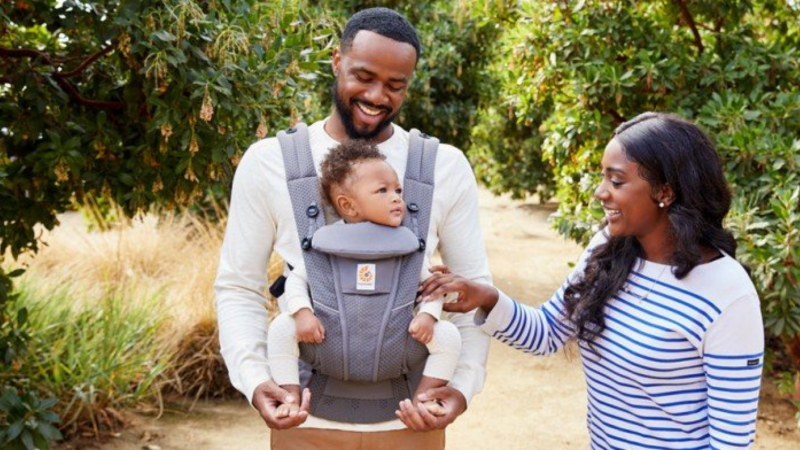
(528, 402)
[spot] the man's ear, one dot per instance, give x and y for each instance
(336, 60)
(345, 206)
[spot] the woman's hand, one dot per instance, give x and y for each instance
(471, 295)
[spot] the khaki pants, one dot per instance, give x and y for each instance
(315, 438)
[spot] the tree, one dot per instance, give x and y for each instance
(141, 101)
(571, 71)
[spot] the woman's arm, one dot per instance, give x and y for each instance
(733, 357)
(540, 331)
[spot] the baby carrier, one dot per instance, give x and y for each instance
(363, 285)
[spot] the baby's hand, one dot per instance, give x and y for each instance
(309, 328)
(421, 327)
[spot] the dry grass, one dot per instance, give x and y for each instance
(170, 256)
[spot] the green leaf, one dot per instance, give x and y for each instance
(15, 429)
(27, 440)
(164, 35)
(22, 317)
(50, 432)
(48, 403)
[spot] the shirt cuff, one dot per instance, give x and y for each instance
(251, 377)
(297, 303)
(466, 383)
(499, 318)
(434, 308)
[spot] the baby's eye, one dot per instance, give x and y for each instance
(398, 191)
(382, 190)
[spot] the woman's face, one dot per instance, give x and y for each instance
(628, 202)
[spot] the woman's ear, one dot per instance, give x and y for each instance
(666, 195)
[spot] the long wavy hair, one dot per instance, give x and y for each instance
(673, 152)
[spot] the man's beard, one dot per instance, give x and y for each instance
(347, 117)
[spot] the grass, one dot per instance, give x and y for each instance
(95, 359)
(124, 314)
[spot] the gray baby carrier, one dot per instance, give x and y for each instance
(362, 292)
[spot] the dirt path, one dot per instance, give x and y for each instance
(527, 403)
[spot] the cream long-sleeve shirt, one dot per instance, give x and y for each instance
(261, 220)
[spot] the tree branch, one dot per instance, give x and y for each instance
(61, 77)
(86, 63)
(687, 16)
(75, 95)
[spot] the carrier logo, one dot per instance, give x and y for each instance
(365, 277)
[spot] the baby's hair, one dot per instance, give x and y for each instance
(338, 165)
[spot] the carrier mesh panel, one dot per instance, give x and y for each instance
(364, 316)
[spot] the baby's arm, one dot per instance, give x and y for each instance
(421, 327)
(298, 303)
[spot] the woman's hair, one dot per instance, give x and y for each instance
(670, 152)
(338, 165)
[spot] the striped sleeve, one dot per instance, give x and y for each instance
(733, 358)
(540, 331)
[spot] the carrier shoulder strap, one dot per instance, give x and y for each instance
(301, 180)
(419, 181)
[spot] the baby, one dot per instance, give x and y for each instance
(361, 186)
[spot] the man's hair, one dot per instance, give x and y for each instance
(384, 21)
(339, 164)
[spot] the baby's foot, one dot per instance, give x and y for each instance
(434, 407)
(285, 409)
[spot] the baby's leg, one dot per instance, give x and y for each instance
(444, 349)
(283, 354)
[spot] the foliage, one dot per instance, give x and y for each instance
(143, 102)
(27, 422)
(571, 71)
(94, 357)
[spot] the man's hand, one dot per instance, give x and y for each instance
(421, 328)
(418, 418)
(309, 328)
(266, 399)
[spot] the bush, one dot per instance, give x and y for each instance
(96, 358)
(143, 102)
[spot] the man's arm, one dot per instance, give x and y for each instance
(463, 251)
(240, 284)
(242, 277)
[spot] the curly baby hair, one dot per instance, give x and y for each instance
(338, 165)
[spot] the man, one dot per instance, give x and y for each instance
(373, 69)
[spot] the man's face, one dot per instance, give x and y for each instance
(372, 77)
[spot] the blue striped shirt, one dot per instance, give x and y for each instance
(678, 365)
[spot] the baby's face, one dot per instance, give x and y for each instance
(376, 194)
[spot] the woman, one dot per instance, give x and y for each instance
(667, 321)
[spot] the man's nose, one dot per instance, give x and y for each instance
(376, 95)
